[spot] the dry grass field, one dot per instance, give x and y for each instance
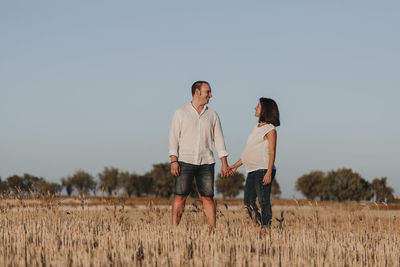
(137, 232)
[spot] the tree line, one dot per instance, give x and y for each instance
(158, 182)
(343, 184)
(339, 185)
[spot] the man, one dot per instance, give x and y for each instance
(194, 129)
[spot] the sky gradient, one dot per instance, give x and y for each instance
(93, 84)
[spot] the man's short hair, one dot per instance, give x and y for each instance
(197, 85)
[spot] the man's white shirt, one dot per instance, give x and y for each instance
(192, 135)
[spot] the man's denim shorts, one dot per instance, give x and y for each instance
(204, 175)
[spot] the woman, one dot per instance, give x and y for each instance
(258, 158)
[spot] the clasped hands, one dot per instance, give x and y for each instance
(227, 171)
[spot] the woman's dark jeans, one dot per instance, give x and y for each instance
(253, 189)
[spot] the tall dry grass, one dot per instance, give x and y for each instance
(45, 232)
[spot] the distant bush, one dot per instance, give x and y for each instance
(341, 185)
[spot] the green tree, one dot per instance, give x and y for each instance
(164, 181)
(3, 187)
(109, 179)
(230, 186)
(43, 187)
(344, 184)
(136, 184)
(310, 184)
(15, 183)
(66, 183)
(381, 191)
(23, 185)
(29, 183)
(127, 182)
(147, 184)
(83, 182)
(275, 189)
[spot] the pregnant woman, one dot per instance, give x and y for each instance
(258, 158)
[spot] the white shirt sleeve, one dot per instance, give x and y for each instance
(219, 139)
(174, 133)
(269, 128)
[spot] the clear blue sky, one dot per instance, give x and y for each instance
(89, 84)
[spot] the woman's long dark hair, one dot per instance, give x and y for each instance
(269, 111)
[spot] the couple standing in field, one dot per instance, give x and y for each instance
(195, 128)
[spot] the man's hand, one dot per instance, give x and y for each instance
(226, 171)
(267, 179)
(175, 168)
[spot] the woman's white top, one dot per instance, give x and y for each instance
(255, 155)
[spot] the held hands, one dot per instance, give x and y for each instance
(267, 179)
(226, 171)
(233, 168)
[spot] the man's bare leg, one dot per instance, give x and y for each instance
(209, 210)
(177, 209)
